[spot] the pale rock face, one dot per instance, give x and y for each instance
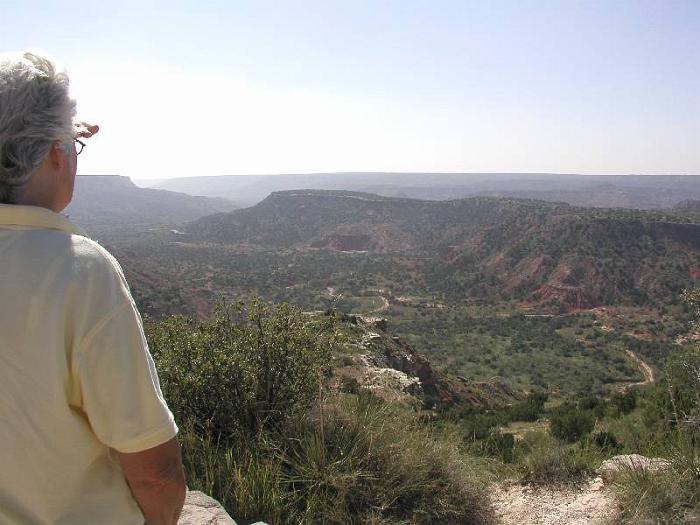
(200, 509)
(619, 464)
(388, 378)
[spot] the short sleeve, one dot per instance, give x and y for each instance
(118, 384)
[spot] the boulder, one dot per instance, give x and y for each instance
(200, 509)
(376, 323)
(619, 464)
(371, 323)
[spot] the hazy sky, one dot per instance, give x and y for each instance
(232, 87)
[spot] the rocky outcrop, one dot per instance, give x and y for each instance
(394, 371)
(200, 509)
(611, 468)
(689, 205)
(372, 323)
(364, 236)
(399, 355)
(571, 295)
(569, 284)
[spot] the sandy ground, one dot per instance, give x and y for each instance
(517, 504)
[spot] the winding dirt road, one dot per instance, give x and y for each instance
(384, 306)
(644, 367)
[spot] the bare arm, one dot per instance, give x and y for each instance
(157, 481)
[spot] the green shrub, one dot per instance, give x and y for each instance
(624, 402)
(589, 402)
(478, 425)
(682, 379)
(529, 410)
(500, 445)
(606, 441)
(657, 407)
(571, 424)
(349, 385)
(250, 367)
(672, 495)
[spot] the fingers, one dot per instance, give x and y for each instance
(85, 130)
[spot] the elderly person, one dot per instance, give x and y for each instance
(85, 434)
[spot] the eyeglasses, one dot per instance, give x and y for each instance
(79, 145)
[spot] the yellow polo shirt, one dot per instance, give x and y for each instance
(76, 377)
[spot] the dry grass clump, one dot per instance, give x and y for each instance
(370, 462)
(667, 496)
(360, 462)
(544, 460)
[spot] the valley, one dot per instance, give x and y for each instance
(547, 296)
(532, 340)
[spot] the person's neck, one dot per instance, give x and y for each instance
(42, 191)
(39, 198)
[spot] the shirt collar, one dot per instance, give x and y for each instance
(36, 217)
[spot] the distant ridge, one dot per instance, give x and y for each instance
(497, 247)
(692, 206)
(609, 191)
(104, 203)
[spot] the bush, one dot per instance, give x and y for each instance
(589, 402)
(683, 384)
(606, 441)
(478, 425)
(250, 367)
(349, 385)
(500, 445)
(528, 410)
(624, 402)
(671, 496)
(571, 424)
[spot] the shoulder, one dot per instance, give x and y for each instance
(90, 255)
(94, 269)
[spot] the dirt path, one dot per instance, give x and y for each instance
(384, 306)
(518, 504)
(645, 368)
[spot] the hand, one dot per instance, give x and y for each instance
(85, 130)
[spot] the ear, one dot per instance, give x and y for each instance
(57, 157)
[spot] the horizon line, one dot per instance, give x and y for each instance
(566, 174)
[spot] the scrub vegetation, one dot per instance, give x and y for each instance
(261, 433)
(565, 327)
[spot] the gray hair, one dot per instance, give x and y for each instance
(35, 111)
